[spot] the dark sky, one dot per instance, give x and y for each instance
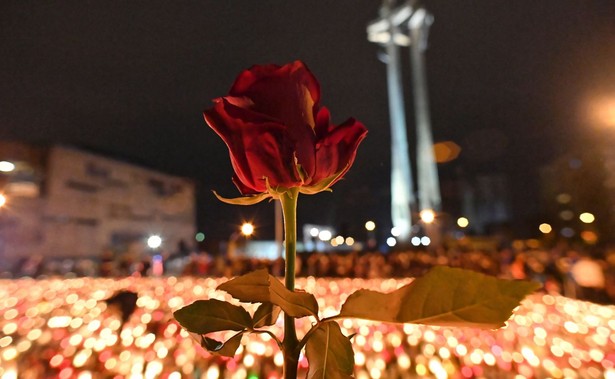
(508, 82)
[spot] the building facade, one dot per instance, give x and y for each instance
(63, 202)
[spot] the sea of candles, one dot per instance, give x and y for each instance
(64, 328)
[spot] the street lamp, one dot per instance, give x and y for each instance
(463, 222)
(587, 217)
(370, 226)
(154, 241)
(545, 228)
(232, 249)
(427, 216)
(6, 166)
(247, 229)
(324, 235)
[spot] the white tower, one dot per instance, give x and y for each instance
(400, 26)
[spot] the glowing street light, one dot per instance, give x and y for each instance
(6, 166)
(395, 231)
(587, 217)
(314, 232)
(247, 229)
(602, 111)
(370, 226)
(427, 216)
(545, 228)
(154, 241)
(391, 241)
(324, 235)
(463, 222)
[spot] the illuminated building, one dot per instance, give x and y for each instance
(580, 182)
(65, 202)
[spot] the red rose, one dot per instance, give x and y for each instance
(278, 135)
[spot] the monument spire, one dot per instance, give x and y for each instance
(400, 26)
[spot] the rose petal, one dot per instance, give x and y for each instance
(336, 152)
(271, 156)
(258, 150)
(249, 77)
(289, 94)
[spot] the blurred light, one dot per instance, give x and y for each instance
(213, 372)
(2, 200)
(415, 241)
(532, 243)
(427, 216)
(545, 228)
(247, 229)
(154, 241)
(349, 241)
(425, 241)
(391, 241)
(566, 214)
(248, 360)
(589, 237)
(324, 235)
(567, 232)
(463, 222)
(6, 166)
(339, 240)
(370, 226)
(602, 111)
(563, 198)
(446, 151)
(314, 232)
(199, 237)
(587, 217)
(395, 231)
(565, 337)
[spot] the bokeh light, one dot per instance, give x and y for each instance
(6, 166)
(247, 229)
(463, 222)
(427, 216)
(587, 217)
(370, 226)
(64, 328)
(154, 241)
(545, 228)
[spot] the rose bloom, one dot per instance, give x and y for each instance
(278, 135)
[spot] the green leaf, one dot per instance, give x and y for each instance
(329, 353)
(225, 349)
(260, 287)
(252, 287)
(206, 316)
(244, 200)
(266, 315)
(445, 296)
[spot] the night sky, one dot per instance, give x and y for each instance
(509, 82)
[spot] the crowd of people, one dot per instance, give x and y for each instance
(574, 272)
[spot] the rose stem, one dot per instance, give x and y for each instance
(289, 209)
